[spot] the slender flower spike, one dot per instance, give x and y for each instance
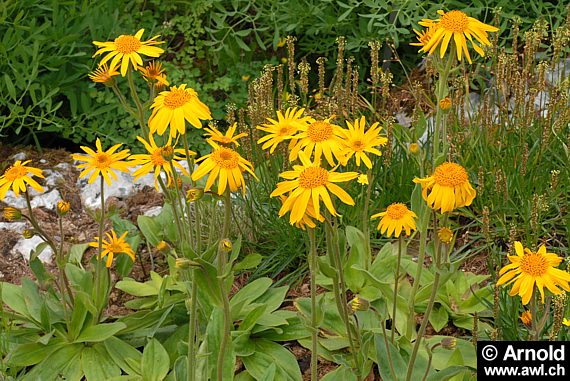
(102, 163)
(528, 269)
(17, 177)
(311, 182)
(320, 138)
(358, 142)
(227, 165)
(103, 74)
(448, 188)
(458, 25)
(156, 159)
(227, 139)
(127, 48)
(396, 218)
(112, 246)
(283, 128)
(174, 107)
(153, 73)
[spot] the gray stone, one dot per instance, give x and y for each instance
(401, 117)
(52, 177)
(556, 74)
(19, 156)
(25, 246)
(153, 211)
(48, 200)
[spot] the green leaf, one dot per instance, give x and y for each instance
(31, 353)
(150, 228)
(342, 373)
(97, 364)
(383, 347)
(10, 86)
(249, 262)
(252, 317)
(214, 331)
(76, 253)
(356, 257)
(100, 332)
(120, 351)
(13, 297)
(55, 364)
(438, 318)
(446, 374)
(246, 295)
(132, 287)
(268, 353)
(78, 314)
(155, 361)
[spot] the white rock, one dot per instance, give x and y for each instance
(48, 200)
(52, 177)
(15, 202)
(25, 246)
(19, 156)
(63, 166)
(560, 70)
(403, 119)
(154, 211)
(17, 227)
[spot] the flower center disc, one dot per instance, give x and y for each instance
(102, 160)
(156, 157)
(176, 98)
(226, 158)
(450, 175)
(284, 130)
(319, 131)
(313, 177)
(396, 211)
(454, 21)
(127, 44)
(357, 145)
(15, 172)
(534, 264)
(115, 248)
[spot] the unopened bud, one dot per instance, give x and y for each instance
(226, 245)
(162, 246)
(359, 304)
(167, 152)
(28, 233)
(62, 207)
(526, 318)
(414, 148)
(445, 235)
(445, 104)
(183, 263)
(449, 343)
(12, 214)
(194, 194)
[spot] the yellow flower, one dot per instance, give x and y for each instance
(17, 176)
(396, 218)
(127, 48)
(28, 233)
(114, 245)
(311, 182)
(458, 25)
(526, 318)
(194, 194)
(245, 78)
(448, 188)
(102, 163)
(162, 246)
(445, 104)
(445, 235)
(566, 322)
(359, 304)
(357, 142)
(414, 148)
(226, 245)
(155, 159)
(226, 164)
(362, 179)
(173, 107)
(283, 128)
(307, 220)
(321, 138)
(153, 73)
(104, 74)
(282, 42)
(12, 214)
(423, 36)
(528, 268)
(62, 207)
(224, 139)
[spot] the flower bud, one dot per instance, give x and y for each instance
(445, 104)
(28, 233)
(449, 343)
(62, 207)
(526, 318)
(12, 214)
(445, 235)
(226, 245)
(162, 246)
(359, 304)
(183, 263)
(194, 194)
(167, 152)
(414, 148)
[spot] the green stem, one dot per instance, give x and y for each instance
(396, 281)
(138, 103)
(174, 208)
(314, 321)
(99, 251)
(441, 88)
(366, 221)
(417, 278)
(192, 330)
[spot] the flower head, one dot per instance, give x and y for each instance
(319, 138)
(103, 74)
(445, 104)
(113, 245)
(311, 182)
(308, 217)
(396, 218)
(12, 214)
(214, 135)
(358, 142)
(174, 107)
(528, 268)
(448, 188)
(283, 128)
(17, 177)
(153, 73)
(227, 165)
(362, 179)
(458, 25)
(127, 48)
(102, 163)
(414, 148)
(566, 322)
(156, 159)
(194, 194)
(526, 318)
(423, 36)
(62, 207)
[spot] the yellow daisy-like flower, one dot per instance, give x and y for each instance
(114, 245)
(396, 218)
(104, 74)
(102, 163)
(308, 217)
(358, 142)
(226, 164)
(283, 128)
(153, 73)
(321, 138)
(174, 107)
(214, 135)
(566, 322)
(423, 36)
(17, 176)
(448, 188)
(311, 182)
(528, 269)
(127, 48)
(157, 159)
(526, 318)
(362, 179)
(458, 25)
